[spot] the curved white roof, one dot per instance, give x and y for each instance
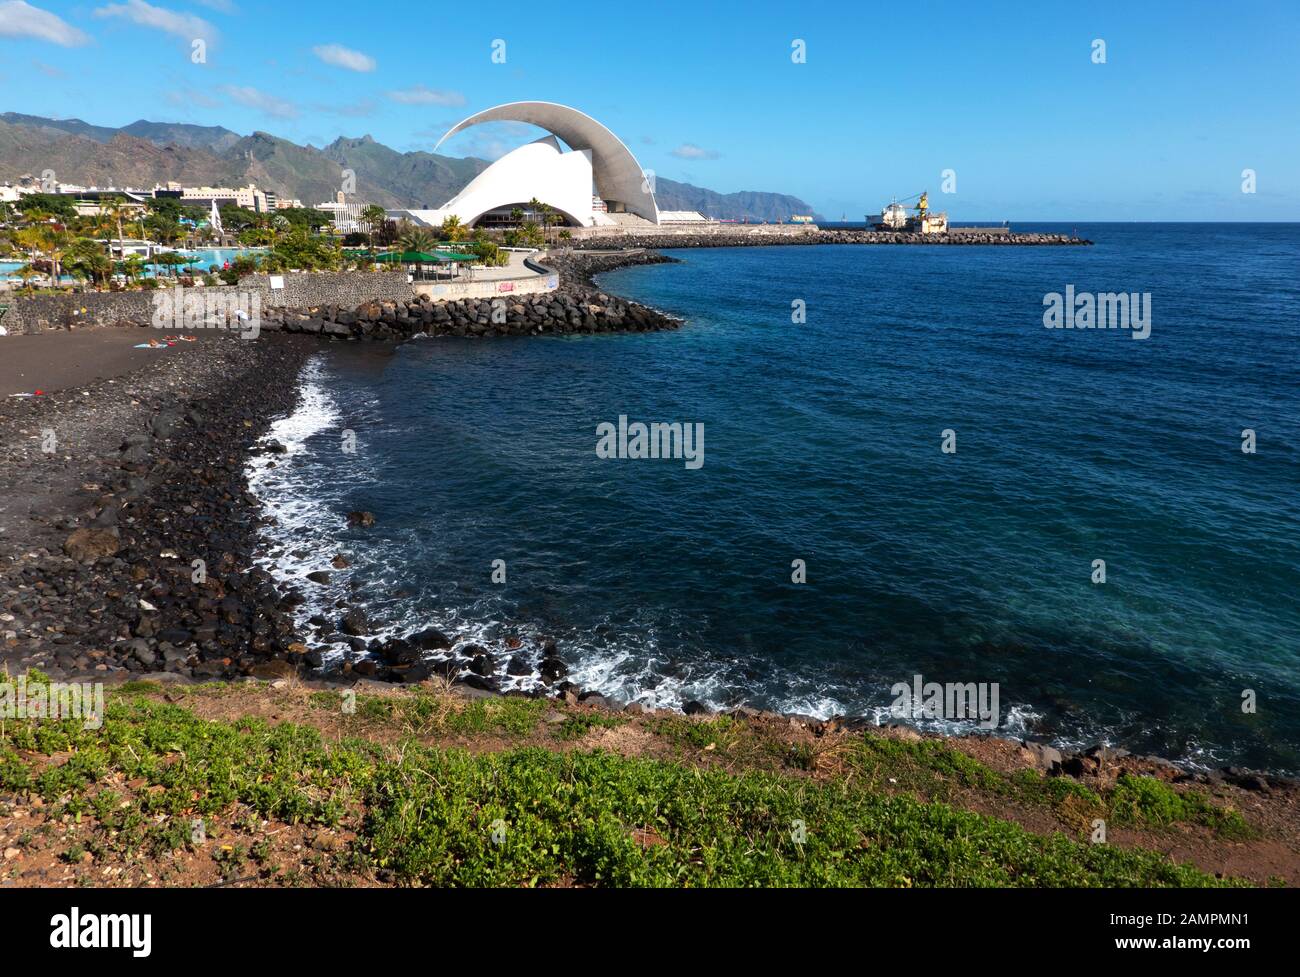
(536, 169)
(617, 174)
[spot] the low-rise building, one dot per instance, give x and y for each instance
(344, 217)
(249, 197)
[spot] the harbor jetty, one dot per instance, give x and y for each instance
(743, 236)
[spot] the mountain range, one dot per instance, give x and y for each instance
(144, 153)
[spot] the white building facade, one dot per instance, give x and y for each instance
(596, 177)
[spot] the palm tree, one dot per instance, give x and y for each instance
(167, 259)
(27, 273)
(553, 218)
(109, 217)
(132, 267)
(374, 217)
(49, 240)
(86, 259)
(417, 239)
(164, 229)
(546, 224)
(28, 238)
(452, 228)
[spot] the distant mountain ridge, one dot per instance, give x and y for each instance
(144, 153)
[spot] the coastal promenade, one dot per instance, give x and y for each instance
(522, 276)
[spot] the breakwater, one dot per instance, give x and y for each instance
(576, 306)
(742, 239)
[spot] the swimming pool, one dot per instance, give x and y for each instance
(209, 256)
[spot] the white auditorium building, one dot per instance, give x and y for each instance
(595, 182)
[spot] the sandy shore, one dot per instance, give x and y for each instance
(52, 361)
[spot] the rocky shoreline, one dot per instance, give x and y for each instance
(135, 549)
(141, 557)
(137, 555)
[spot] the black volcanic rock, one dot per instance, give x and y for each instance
(354, 622)
(430, 639)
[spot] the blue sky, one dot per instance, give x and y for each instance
(1005, 94)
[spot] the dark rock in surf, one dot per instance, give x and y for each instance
(354, 622)
(430, 639)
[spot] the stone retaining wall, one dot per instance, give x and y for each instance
(36, 313)
(330, 288)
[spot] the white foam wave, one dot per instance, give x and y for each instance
(626, 668)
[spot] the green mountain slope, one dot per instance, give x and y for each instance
(144, 153)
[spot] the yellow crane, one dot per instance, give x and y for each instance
(922, 204)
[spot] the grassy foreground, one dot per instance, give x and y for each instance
(126, 798)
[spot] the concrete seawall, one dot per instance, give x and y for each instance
(531, 278)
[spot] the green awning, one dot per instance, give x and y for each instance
(407, 257)
(424, 257)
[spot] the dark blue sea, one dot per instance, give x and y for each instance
(822, 443)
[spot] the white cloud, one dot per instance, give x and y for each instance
(185, 26)
(359, 109)
(688, 150)
(419, 95)
(254, 99)
(341, 57)
(190, 97)
(19, 19)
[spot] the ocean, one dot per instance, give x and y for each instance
(824, 442)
